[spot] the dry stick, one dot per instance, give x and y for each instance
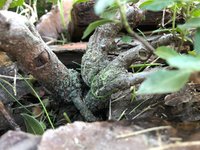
(7, 116)
(19, 38)
(7, 5)
(177, 145)
(10, 77)
(143, 131)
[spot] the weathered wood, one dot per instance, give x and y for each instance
(20, 40)
(71, 47)
(82, 15)
(98, 71)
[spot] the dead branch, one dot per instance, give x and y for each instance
(20, 40)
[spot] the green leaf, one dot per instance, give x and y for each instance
(109, 13)
(79, 1)
(196, 12)
(164, 81)
(185, 62)
(126, 39)
(101, 5)
(156, 5)
(32, 125)
(52, 1)
(2, 3)
(197, 41)
(93, 26)
(165, 52)
(16, 3)
(191, 23)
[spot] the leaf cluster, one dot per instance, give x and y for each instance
(164, 80)
(14, 3)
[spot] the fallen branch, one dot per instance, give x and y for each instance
(20, 40)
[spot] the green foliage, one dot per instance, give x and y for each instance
(107, 11)
(41, 102)
(126, 39)
(60, 5)
(67, 117)
(196, 11)
(165, 52)
(14, 3)
(33, 125)
(52, 1)
(10, 94)
(145, 65)
(79, 1)
(197, 41)
(164, 81)
(2, 2)
(191, 23)
(93, 25)
(101, 5)
(110, 13)
(108, 7)
(156, 5)
(185, 62)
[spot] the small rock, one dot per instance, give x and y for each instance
(17, 140)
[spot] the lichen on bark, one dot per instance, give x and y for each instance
(20, 40)
(105, 76)
(108, 76)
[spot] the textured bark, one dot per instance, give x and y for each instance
(20, 40)
(107, 77)
(82, 15)
(98, 71)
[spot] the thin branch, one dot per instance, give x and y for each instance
(178, 145)
(128, 28)
(142, 131)
(7, 116)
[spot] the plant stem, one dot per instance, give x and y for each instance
(122, 10)
(44, 108)
(60, 5)
(11, 95)
(174, 20)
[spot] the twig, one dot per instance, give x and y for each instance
(10, 77)
(110, 110)
(128, 28)
(7, 116)
(142, 131)
(121, 115)
(15, 83)
(177, 145)
(163, 18)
